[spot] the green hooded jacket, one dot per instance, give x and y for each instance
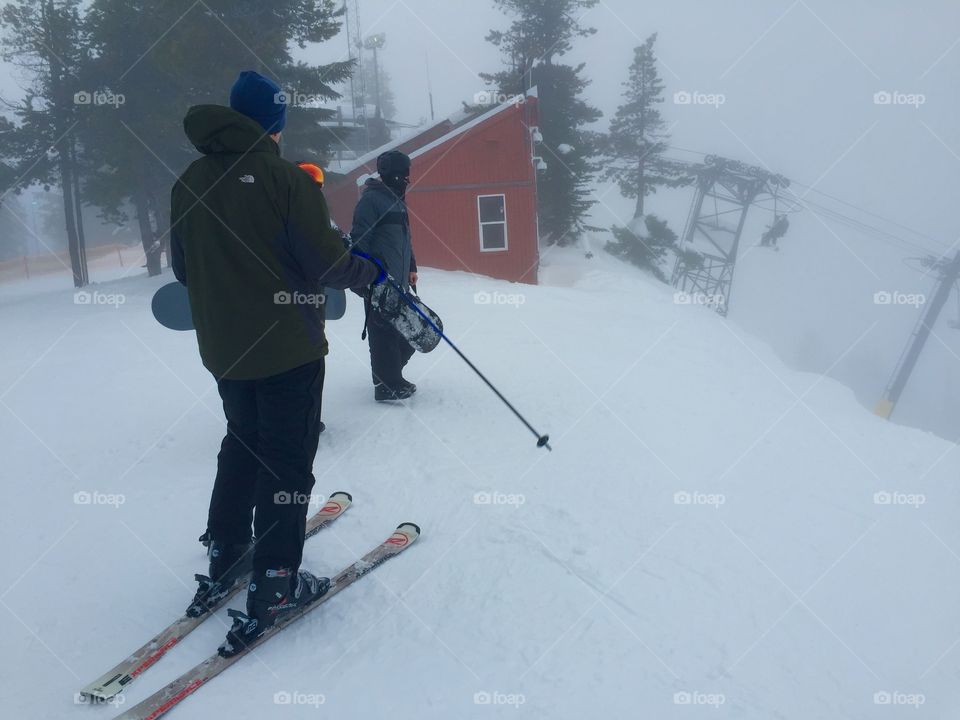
(251, 239)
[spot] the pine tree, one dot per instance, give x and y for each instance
(388, 102)
(633, 151)
(137, 148)
(46, 39)
(541, 31)
(646, 250)
(133, 143)
(9, 160)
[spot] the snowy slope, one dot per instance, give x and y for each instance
(705, 539)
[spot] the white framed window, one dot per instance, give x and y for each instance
(492, 216)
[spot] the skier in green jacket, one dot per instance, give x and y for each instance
(251, 239)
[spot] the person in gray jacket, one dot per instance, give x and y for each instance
(381, 229)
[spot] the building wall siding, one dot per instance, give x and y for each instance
(491, 158)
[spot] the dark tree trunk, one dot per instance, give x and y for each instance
(161, 224)
(151, 246)
(78, 213)
(69, 212)
(65, 154)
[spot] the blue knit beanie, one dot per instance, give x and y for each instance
(261, 99)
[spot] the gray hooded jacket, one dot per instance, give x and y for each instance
(381, 228)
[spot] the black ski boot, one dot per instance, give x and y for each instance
(229, 564)
(383, 393)
(271, 597)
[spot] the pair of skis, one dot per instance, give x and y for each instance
(162, 701)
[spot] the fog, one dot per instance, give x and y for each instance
(628, 503)
(798, 81)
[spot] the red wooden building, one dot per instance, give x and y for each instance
(473, 191)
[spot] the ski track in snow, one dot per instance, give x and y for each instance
(563, 585)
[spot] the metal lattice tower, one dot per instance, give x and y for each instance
(725, 188)
(358, 91)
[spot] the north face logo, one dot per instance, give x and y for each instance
(246, 179)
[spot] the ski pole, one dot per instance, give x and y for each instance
(542, 440)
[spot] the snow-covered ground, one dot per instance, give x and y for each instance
(713, 536)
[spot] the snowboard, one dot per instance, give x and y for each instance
(408, 314)
(171, 306)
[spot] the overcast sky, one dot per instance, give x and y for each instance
(798, 80)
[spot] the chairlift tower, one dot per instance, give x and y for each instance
(725, 191)
(949, 271)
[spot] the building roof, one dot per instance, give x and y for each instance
(472, 123)
(460, 122)
(359, 162)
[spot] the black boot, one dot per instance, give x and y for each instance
(384, 393)
(271, 597)
(229, 564)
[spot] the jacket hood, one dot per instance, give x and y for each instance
(218, 129)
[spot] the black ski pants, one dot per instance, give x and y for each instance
(266, 463)
(389, 350)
